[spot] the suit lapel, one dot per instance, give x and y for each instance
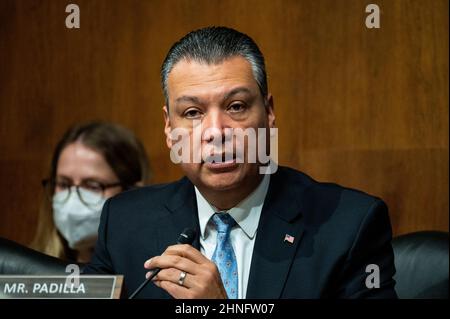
(180, 212)
(273, 252)
(183, 213)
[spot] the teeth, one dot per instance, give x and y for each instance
(212, 160)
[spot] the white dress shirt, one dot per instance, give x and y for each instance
(243, 234)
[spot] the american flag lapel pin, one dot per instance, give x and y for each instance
(288, 238)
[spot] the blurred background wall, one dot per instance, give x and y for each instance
(366, 108)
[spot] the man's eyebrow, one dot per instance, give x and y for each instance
(186, 98)
(236, 91)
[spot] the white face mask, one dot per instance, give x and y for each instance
(77, 222)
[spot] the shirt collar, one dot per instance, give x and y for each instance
(246, 213)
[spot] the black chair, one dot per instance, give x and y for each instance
(16, 259)
(422, 262)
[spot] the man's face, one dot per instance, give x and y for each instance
(219, 96)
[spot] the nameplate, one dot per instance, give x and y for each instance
(60, 287)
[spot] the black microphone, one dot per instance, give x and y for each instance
(186, 237)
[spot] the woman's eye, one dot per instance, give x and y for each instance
(192, 114)
(93, 186)
(236, 107)
(62, 185)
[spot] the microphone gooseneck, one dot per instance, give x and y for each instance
(186, 237)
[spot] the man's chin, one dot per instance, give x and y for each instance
(221, 182)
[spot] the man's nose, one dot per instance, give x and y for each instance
(213, 125)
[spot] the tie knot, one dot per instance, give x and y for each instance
(224, 222)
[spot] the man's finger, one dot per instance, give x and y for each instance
(175, 290)
(172, 261)
(188, 252)
(175, 275)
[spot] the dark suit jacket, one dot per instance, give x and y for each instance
(337, 233)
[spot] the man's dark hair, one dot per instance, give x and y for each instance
(213, 45)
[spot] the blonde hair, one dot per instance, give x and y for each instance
(47, 239)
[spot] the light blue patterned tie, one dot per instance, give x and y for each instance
(224, 256)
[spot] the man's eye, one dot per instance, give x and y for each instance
(236, 107)
(192, 114)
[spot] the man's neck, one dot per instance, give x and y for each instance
(227, 199)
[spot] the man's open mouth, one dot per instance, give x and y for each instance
(221, 162)
(217, 158)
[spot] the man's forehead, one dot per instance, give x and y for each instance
(193, 77)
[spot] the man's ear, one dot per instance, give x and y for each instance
(269, 109)
(167, 127)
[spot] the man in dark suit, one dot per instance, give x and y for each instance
(280, 235)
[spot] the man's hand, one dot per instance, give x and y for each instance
(202, 276)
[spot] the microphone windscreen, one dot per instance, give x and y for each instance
(187, 236)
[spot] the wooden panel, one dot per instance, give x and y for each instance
(365, 108)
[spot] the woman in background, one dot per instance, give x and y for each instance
(91, 163)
